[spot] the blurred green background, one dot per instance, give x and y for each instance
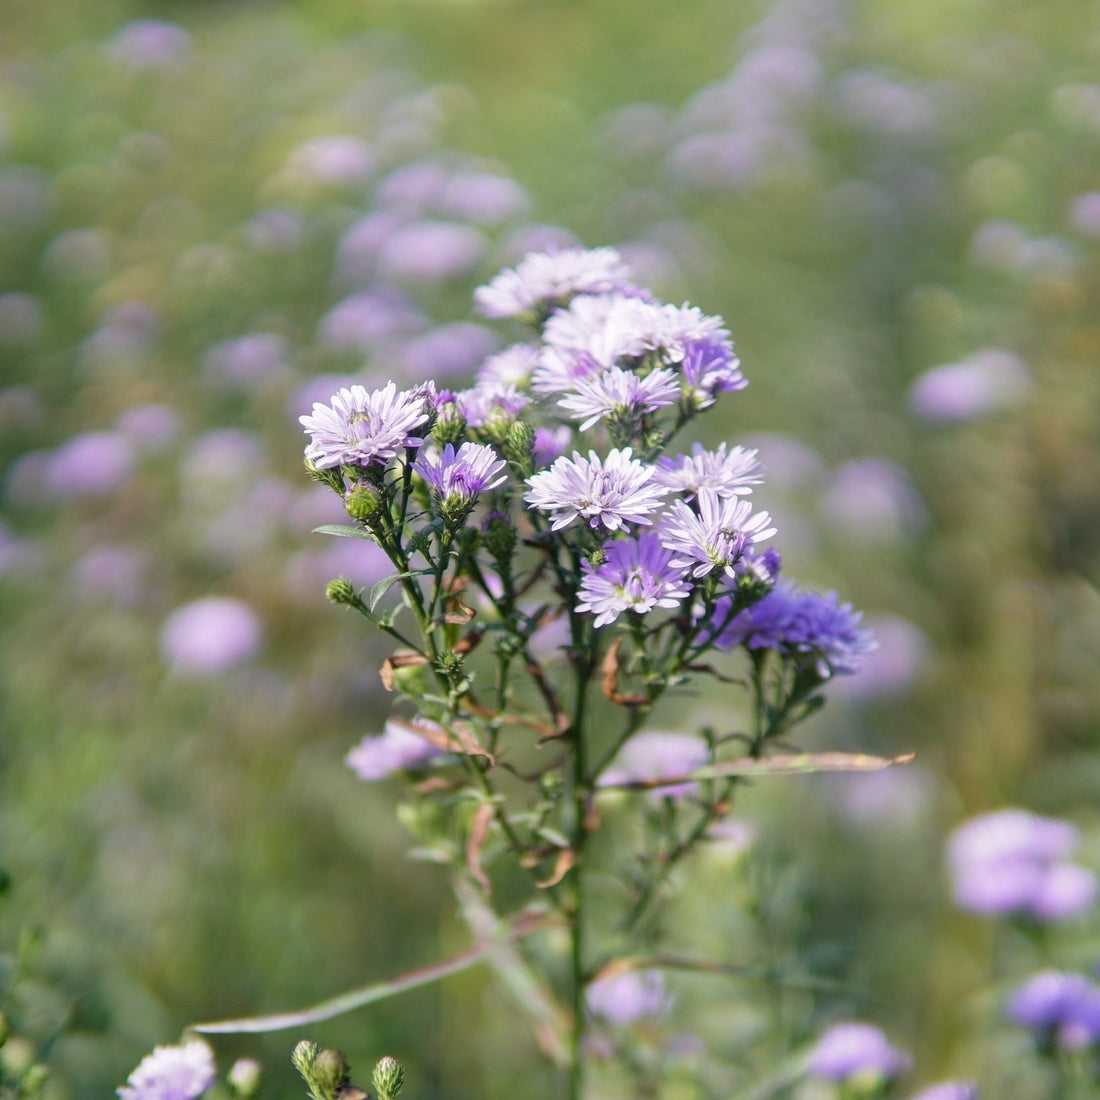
(212, 214)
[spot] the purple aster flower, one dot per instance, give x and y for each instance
(459, 477)
(629, 996)
(621, 393)
(634, 576)
(550, 444)
(949, 1090)
(710, 368)
(397, 748)
(855, 1050)
(210, 635)
(246, 361)
(715, 534)
(490, 403)
(449, 349)
(150, 44)
(171, 1073)
(152, 428)
(608, 493)
(543, 280)
(482, 197)
(1058, 1006)
(90, 464)
(656, 755)
(986, 381)
(359, 428)
(1015, 862)
(803, 625)
(432, 251)
(511, 367)
(732, 473)
(338, 159)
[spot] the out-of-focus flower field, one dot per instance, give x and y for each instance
(213, 215)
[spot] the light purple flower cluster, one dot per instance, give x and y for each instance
(1016, 863)
(629, 996)
(856, 1051)
(804, 625)
(398, 747)
(460, 477)
(171, 1073)
(1058, 1007)
(655, 755)
(635, 575)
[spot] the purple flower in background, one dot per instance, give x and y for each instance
(986, 381)
(482, 197)
(1056, 1006)
(398, 747)
(855, 1050)
(359, 428)
(20, 319)
(949, 1090)
(873, 500)
(732, 473)
(335, 158)
(171, 1073)
(246, 361)
(366, 321)
(634, 576)
(91, 464)
(150, 44)
(715, 536)
(543, 280)
(1013, 862)
(429, 251)
(449, 349)
(459, 477)
(550, 445)
(153, 428)
(511, 367)
(629, 996)
(607, 493)
(210, 635)
(1084, 214)
(111, 574)
(490, 403)
(656, 755)
(815, 627)
(617, 392)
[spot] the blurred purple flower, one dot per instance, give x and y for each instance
(432, 251)
(334, 158)
(91, 464)
(902, 652)
(276, 229)
(855, 1050)
(172, 1073)
(1084, 214)
(210, 635)
(510, 367)
(151, 428)
(363, 322)
(482, 197)
(218, 459)
(949, 1090)
(873, 500)
(1058, 1006)
(1014, 862)
(629, 996)
(150, 44)
(398, 748)
(986, 381)
(245, 362)
(654, 755)
(448, 350)
(550, 445)
(110, 574)
(18, 557)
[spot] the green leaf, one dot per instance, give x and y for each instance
(381, 588)
(344, 532)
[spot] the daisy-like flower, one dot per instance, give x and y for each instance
(715, 536)
(635, 576)
(399, 747)
(732, 473)
(510, 367)
(710, 368)
(171, 1073)
(460, 477)
(488, 402)
(543, 280)
(359, 428)
(608, 493)
(621, 392)
(815, 627)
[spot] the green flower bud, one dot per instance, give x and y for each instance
(342, 591)
(449, 427)
(500, 538)
(330, 1073)
(303, 1056)
(518, 445)
(388, 1078)
(244, 1077)
(363, 502)
(450, 664)
(332, 478)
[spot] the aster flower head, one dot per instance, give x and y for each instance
(544, 280)
(715, 534)
(399, 747)
(607, 493)
(856, 1051)
(728, 473)
(629, 996)
(622, 394)
(171, 1073)
(490, 404)
(460, 477)
(655, 754)
(635, 575)
(359, 428)
(511, 367)
(1058, 1007)
(949, 1090)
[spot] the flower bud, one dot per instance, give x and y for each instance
(330, 1073)
(332, 477)
(450, 425)
(388, 1078)
(341, 591)
(303, 1056)
(244, 1077)
(518, 445)
(500, 537)
(363, 502)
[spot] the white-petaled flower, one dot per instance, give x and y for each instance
(459, 477)
(171, 1073)
(489, 402)
(635, 576)
(715, 536)
(608, 493)
(359, 428)
(621, 392)
(543, 280)
(511, 367)
(728, 473)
